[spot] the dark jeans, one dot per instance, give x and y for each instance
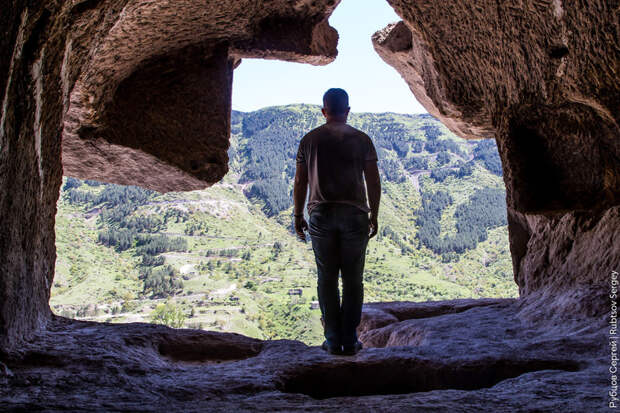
(339, 235)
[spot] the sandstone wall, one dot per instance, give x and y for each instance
(30, 169)
(541, 77)
(149, 82)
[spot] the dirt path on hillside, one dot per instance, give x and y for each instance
(414, 174)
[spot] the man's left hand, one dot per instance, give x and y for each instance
(373, 227)
(300, 226)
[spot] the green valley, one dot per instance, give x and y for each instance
(226, 258)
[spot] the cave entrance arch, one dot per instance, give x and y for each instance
(77, 83)
(437, 273)
(561, 115)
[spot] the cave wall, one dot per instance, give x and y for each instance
(30, 168)
(540, 77)
(138, 92)
(149, 82)
(123, 91)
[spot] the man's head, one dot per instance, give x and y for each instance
(336, 105)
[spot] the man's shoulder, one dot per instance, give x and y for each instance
(362, 136)
(359, 133)
(314, 131)
(318, 130)
(325, 131)
(313, 134)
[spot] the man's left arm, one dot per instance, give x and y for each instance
(373, 186)
(300, 190)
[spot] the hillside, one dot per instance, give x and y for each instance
(225, 258)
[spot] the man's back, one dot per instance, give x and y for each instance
(338, 163)
(335, 154)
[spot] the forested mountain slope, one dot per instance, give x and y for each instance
(226, 258)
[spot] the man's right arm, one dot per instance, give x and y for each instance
(300, 190)
(373, 187)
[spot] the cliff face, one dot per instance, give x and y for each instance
(542, 79)
(138, 92)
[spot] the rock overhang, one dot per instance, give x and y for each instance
(539, 77)
(149, 84)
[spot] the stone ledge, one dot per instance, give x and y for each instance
(483, 357)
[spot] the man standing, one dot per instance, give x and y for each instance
(333, 160)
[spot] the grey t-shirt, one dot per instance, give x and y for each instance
(335, 154)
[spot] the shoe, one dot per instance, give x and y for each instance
(352, 350)
(330, 349)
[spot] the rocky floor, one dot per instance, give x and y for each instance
(460, 356)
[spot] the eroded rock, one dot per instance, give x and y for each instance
(546, 90)
(542, 79)
(474, 356)
(149, 83)
(139, 93)
(567, 262)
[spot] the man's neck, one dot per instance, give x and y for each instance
(332, 121)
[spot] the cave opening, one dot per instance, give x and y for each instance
(539, 78)
(225, 259)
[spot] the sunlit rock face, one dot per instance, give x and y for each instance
(542, 79)
(123, 91)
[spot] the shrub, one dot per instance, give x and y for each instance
(168, 314)
(443, 158)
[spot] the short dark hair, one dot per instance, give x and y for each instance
(336, 101)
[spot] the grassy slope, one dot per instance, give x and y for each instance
(96, 282)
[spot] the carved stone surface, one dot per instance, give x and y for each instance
(138, 92)
(150, 82)
(565, 263)
(30, 169)
(539, 76)
(462, 355)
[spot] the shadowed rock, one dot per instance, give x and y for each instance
(149, 83)
(472, 357)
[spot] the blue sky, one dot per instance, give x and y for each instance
(372, 84)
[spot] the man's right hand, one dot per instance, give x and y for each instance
(373, 227)
(300, 226)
